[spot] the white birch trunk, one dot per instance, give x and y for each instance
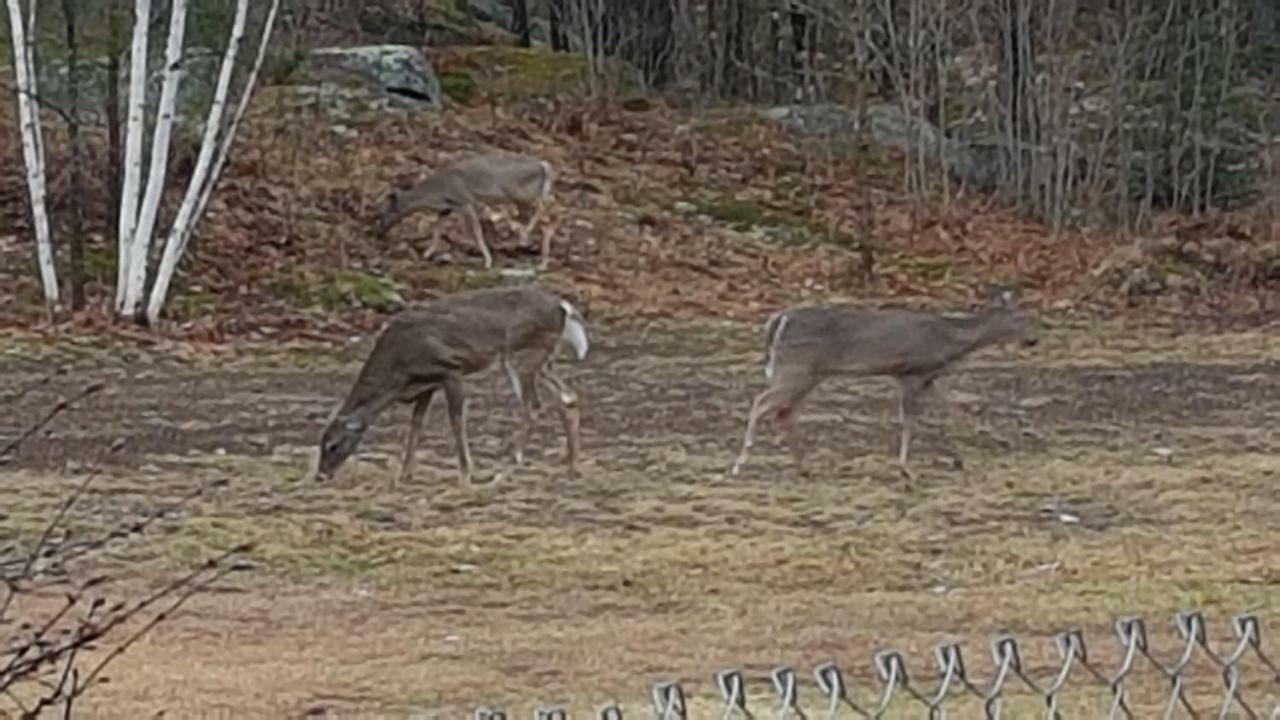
(243, 106)
(133, 146)
(140, 246)
(33, 148)
(208, 169)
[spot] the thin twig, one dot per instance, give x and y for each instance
(189, 586)
(41, 101)
(25, 572)
(35, 385)
(72, 551)
(7, 452)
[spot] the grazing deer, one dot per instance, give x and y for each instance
(431, 348)
(806, 345)
(485, 179)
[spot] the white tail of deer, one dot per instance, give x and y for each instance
(480, 180)
(432, 348)
(808, 344)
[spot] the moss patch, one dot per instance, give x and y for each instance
(457, 86)
(514, 72)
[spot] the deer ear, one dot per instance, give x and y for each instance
(1002, 296)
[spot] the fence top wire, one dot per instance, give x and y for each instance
(951, 680)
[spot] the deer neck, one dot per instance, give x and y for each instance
(366, 399)
(979, 331)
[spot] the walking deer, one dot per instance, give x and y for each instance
(806, 345)
(485, 179)
(431, 349)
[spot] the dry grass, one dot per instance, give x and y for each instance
(533, 587)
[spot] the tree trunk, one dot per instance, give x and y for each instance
(1020, 58)
(114, 156)
(22, 34)
(140, 243)
(558, 18)
(657, 27)
(799, 39)
(733, 51)
(132, 175)
(712, 77)
(212, 158)
(520, 15)
(75, 233)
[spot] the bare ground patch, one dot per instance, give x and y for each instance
(654, 563)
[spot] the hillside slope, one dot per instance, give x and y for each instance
(660, 213)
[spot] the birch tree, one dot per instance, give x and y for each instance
(139, 204)
(140, 243)
(214, 150)
(132, 147)
(140, 196)
(22, 32)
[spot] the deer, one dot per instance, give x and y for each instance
(806, 345)
(430, 349)
(484, 179)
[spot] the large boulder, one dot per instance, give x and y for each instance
(976, 163)
(200, 67)
(399, 71)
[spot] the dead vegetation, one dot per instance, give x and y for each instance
(66, 613)
(662, 213)
(530, 586)
(675, 224)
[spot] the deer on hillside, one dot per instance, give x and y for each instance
(430, 349)
(808, 344)
(485, 179)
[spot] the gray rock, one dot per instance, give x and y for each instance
(494, 11)
(385, 77)
(200, 67)
(974, 162)
(397, 70)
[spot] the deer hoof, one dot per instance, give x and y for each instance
(906, 472)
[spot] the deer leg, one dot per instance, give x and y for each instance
(478, 232)
(570, 416)
(779, 398)
(548, 229)
(758, 408)
(434, 245)
(934, 394)
(457, 402)
(533, 220)
(523, 384)
(791, 431)
(908, 405)
(420, 405)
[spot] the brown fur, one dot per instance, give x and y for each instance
(807, 345)
(485, 179)
(432, 348)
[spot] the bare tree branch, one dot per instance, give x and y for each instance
(11, 448)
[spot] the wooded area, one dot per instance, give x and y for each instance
(1086, 113)
(1092, 110)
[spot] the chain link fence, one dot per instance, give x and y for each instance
(1014, 689)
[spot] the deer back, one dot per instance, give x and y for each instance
(835, 339)
(503, 176)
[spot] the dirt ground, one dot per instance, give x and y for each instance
(433, 598)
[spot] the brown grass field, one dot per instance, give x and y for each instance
(528, 587)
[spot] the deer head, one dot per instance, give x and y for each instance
(339, 441)
(1011, 322)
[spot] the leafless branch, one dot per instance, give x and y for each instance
(11, 448)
